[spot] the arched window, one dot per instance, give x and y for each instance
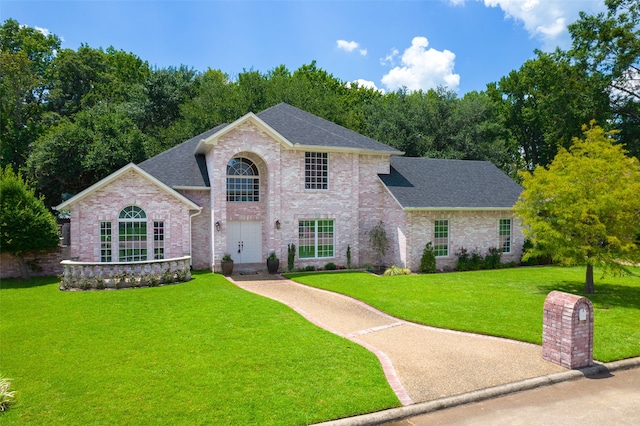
(132, 234)
(243, 181)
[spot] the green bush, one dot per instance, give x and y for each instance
(330, 266)
(492, 259)
(428, 260)
(291, 256)
(396, 270)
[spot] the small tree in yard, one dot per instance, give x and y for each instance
(379, 242)
(585, 208)
(25, 223)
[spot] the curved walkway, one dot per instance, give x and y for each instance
(421, 363)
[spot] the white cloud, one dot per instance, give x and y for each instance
(350, 46)
(545, 19)
(365, 83)
(421, 68)
(45, 32)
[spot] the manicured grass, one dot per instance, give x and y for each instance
(202, 352)
(506, 302)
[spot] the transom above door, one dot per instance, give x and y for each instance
(244, 241)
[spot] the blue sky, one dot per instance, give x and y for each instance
(463, 44)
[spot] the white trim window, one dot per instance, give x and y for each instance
(441, 238)
(243, 181)
(316, 170)
(158, 239)
(504, 233)
(106, 234)
(315, 238)
(132, 234)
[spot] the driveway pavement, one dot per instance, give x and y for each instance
(428, 368)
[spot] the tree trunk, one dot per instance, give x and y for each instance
(588, 285)
(24, 270)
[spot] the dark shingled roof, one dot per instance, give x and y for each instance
(180, 166)
(435, 183)
(300, 127)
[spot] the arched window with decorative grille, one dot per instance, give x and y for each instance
(243, 180)
(132, 234)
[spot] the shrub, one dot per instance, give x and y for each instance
(492, 258)
(330, 266)
(476, 262)
(291, 256)
(462, 264)
(310, 268)
(379, 242)
(396, 270)
(6, 396)
(428, 260)
(349, 256)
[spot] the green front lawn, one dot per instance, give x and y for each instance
(202, 352)
(505, 302)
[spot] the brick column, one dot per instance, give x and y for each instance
(567, 330)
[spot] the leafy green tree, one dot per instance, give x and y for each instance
(545, 103)
(585, 207)
(607, 47)
(25, 59)
(25, 223)
(77, 153)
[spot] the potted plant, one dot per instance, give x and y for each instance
(227, 265)
(273, 263)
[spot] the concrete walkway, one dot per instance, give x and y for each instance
(421, 363)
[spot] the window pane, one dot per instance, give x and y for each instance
(132, 235)
(505, 235)
(105, 242)
(315, 238)
(316, 170)
(441, 238)
(158, 240)
(243, 183)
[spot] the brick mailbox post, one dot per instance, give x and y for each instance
(567, 330)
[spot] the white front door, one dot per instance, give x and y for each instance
(244, 241)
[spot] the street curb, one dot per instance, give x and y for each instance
(395, 414)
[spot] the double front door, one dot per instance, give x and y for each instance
(244, 241)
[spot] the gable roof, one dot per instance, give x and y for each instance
(437, 184)
(183, 166)
(180, 166)
(115, 175)
(303, 129)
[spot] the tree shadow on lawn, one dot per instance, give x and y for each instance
(19, 283)
(606, 296)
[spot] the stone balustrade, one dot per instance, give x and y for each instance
(102, 275)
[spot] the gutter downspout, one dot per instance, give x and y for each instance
(191, 236)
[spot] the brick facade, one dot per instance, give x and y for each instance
(356, 200)
(105, 204)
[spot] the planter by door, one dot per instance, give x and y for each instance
(227, 267)
(273, 265)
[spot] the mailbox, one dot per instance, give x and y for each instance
(567, 330)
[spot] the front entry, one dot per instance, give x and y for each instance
(244, 241)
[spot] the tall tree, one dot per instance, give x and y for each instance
(77, 153)
(545, 104)
(607, 47)
(26, 225)
(25, 59)
(585, 207)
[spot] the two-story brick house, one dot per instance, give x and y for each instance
(286, 176)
